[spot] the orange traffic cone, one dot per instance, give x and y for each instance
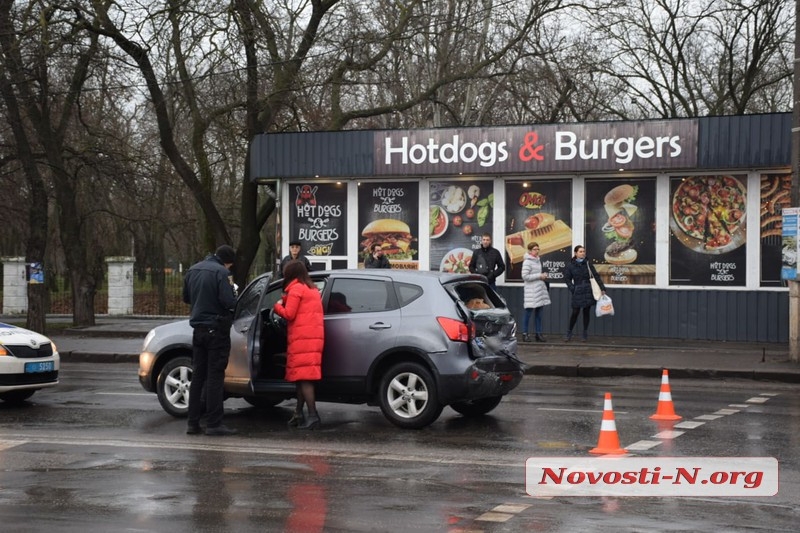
(665, 410)
(608, 443)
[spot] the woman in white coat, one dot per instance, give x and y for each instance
(537, 294)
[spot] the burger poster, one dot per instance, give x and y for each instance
(540, 212)
(460, 212)
(318, 218)
(621, 230)
(388, 214)
(707, 231)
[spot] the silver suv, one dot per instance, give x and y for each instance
(404, 340)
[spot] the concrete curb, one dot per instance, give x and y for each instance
(91, 357)
(584, 371)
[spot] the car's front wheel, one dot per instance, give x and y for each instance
(476, 407)
(173, 385)
(15, 397)
(408, 396)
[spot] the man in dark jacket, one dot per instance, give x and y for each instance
(208, 287)
(376, 259)
(294, 253)
(487, 261)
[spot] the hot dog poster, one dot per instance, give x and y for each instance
(620, 230)
(388, 214)
(776, 194)
(538, 211)
(318, 218)
(460, 212)
(707, 230)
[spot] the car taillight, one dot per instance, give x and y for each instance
(456, 330)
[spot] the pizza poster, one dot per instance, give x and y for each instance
(540, 212)
(318, 219)
(620, 229)
(707, 231)
(388, 214)
(460, 212)
(776, 192)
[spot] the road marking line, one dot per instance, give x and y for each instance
(770, 394)
(123, 394)
(643, 445)
(739, 405)
(579, 410)
(494, 517)
(689, 425)
(757, 399)
(725, 412)
(512, 508)
(707, 417)
(6, 444)
(669, 434)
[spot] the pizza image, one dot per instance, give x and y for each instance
(711, 209)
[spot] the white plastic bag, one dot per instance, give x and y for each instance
(604, 306)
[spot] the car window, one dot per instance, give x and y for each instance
(359, 296)
(248, 302)
(407, 293)
(275, 294)
(477, 296)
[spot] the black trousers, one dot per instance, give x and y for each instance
(211, 349)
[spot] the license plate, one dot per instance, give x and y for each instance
(42, 366)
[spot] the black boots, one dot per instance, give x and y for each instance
(539, 338)
(525, 338)
(312, 422)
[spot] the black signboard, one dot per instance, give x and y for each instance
(388, 214)
(460, 212)
(707, 231)
(621, 230)
(540, 212)
(318, 218)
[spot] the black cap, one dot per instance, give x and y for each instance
(226, 254)
(295, 243)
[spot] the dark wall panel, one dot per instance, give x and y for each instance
(748, 141)
(323, 154)
(744, 316)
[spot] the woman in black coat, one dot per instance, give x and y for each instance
(576, 274)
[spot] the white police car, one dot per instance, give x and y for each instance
(28, 362)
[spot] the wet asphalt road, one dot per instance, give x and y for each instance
(98, 454)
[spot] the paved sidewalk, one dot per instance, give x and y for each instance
(120, 340)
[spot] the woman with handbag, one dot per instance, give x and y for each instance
(580, 275)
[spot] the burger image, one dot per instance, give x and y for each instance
(620, 253)
(619, 228)
(393, 235)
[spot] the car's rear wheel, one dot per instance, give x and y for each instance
(476, 407)
(173, 385)
(17, 396)
(408, 396)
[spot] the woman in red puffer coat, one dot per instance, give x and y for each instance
(302, 308)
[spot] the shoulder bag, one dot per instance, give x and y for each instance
(596, 291)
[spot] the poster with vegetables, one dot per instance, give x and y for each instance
(388, 214)
(538, 211)
(460, 212)
(621, 230)
(776, 194)
(707, 231)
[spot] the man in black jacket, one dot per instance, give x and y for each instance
(208, 287)
(487, 261)
(294, 253)
(376, 259)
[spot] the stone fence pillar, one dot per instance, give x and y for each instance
(120, 285)
(15, 285)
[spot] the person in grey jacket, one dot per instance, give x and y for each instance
(536, 292)
(208, 288)
(576, 274)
